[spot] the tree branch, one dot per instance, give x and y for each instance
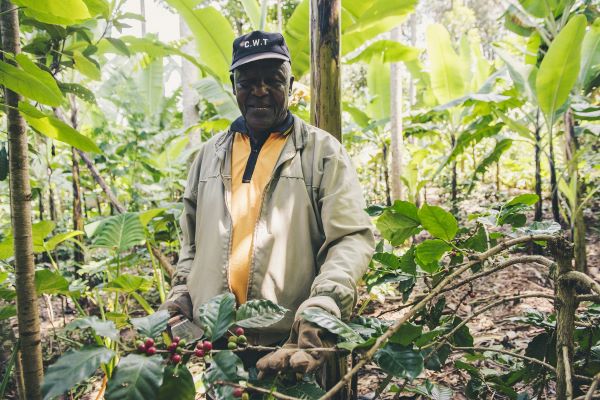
(258, 389)
(582, 278)
(510, 353)
(567, 366)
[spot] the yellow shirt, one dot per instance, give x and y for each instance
(246, 202)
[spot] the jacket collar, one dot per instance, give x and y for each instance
(299, 136)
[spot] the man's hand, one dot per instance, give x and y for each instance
(179, 306)
(295, 353)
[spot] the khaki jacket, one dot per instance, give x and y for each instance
(312, 241)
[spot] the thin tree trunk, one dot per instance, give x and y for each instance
(386, 175)
(565, 305)
(454, 184)
(538, 168)
(397, 141)
(189, 95)
(77, 213)
(497, 178)
(20, 206)
(577, 221)
(325, 77)
(41, 204)
(143, 14)
(553, 181)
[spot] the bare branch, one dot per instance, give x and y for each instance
(510, 353)
(584, 279)
(258, 389)
(565, 351)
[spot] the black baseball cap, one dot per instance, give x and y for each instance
(258, 45)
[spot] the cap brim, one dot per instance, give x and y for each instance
(256, 57)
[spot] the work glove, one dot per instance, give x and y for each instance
(179, 305)
(295, 354)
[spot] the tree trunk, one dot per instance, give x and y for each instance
(20, 207)
(538, 168)
(386, 174)
(325, 77)
(565, 305)
(396, 124)
(454, 184)
(553, 181)
(77, 213)
(189, 94)
(577, 221)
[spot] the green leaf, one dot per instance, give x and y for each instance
(407, 262)
(225, 366)
(407, 333)
(392, 51)
(7, 312)
(56, 129)
(67, 12)
(35, 86)
(127, 283)
(462, 337)
(590, 56)
(492, 157)
(137, 377)
(378, 83)
(7, 294)
(259, 313)
(55, 240)
(253, 12)
(330, 322)
(119, 45)
(431, 251)
(86, 67)
(399, 361)
(560, 67)
(388, 259)
(217, 315)
(399, 222)
(527, 199)
(152, 89)
(479, 241)
(72, 368)
(438, 222)
(101, 328)
(48, 282)
(213, 34)
(223, 100)
(147, 216)
(78, 90)
(41, 76)
(119, 233)
(445, 66)
(178, 383)
(359, 116)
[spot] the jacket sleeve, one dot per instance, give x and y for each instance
(187, 221)
(349, 242)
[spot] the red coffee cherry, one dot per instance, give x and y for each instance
(207, 345)
(176, 358)
(149, 342)
(238, 392)
(151, 351)
(239, 331)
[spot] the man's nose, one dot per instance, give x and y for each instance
(260, 89)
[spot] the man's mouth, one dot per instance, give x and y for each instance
(260, 107)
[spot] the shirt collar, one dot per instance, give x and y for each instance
(285, 127)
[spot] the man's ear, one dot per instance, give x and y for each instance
(291, 85)
(232, 82)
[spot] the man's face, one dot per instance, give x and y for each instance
(262, 89)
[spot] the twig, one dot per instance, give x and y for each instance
(258, 389)
(588, 297)
(481, 311)
(510, 353)
(516, 260)
(565, 352)
(590, 393)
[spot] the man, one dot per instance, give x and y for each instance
(272, 210)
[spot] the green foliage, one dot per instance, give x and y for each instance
(560, 67)
(225, 366)
(217, 315)
(178, 383)
(446, 75)
(331, 323)
(48, 282)
(152, 325)
(119, 233)
(99, 327)
(400, 361)
(72, 368)
(439, 223)
(31, 82)
(259, 313)
(137, 377)
(429, 253)
(399, 222)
